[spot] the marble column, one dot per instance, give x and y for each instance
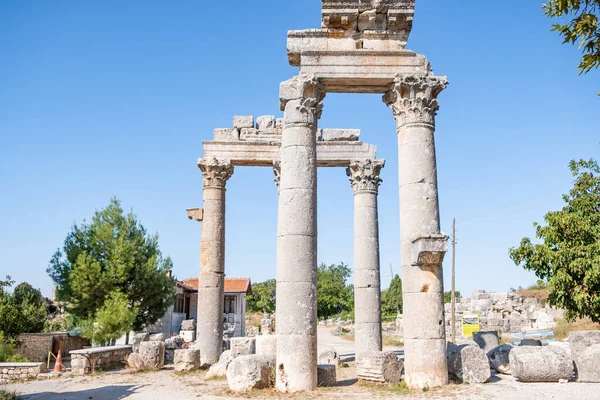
(209, 336)
(296, 310)
(365, 181)
(413, 100)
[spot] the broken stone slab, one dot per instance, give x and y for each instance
(224, 135)
(249, 372)
(266, 345)
(584, 345)
(174, 343)
(240, 122)
(137, 338)
(265, 122)
(249, 134)
(486, 340)
(219, 370)
(188, 325)
(382, 366)
(187, 359)
(326, 375)
(341, 135)
(499, 358)
(328, 355)
(151, 356)
(156, 337)
(468, 363)
(540, 364)
(241, 346)
(530, 342)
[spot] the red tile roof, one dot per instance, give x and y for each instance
(232, 285)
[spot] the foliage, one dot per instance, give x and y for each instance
(112, 320)
(583, 28)
(22, 311)
(8, 349)
(448, 296)
(113, 253)
(60, 323)
(563, 328)
(333, 294)
(569, 256)
(391, 298)
(6, 395)
(263, 297)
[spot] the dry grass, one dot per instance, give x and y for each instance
(253, 319)
(394, 341)
(539, 294)
(563, 328)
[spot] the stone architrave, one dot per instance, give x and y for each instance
(215, 174)
(365, 181)
(413, 99)
(296, 368)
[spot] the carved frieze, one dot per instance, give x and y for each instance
(215, 172)
(429, 250)
(364, 175)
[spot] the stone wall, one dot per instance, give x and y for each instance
(35, 346)
(504, 312)
(20, 371)
(99, 358)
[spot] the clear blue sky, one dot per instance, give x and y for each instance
(114, 98)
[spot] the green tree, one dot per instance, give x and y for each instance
(333, 294)
(112, 320)
(448, 296)
(22, 311)
(263, 297)
(568, 257)
(113, 253)
(583, 27)
(391, 298)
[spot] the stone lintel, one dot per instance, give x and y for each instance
(196, 214)
(429, 250)
(263, 154)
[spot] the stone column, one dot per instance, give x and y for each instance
(364, 178)
(413, 100)
(209, 336)
(296, 368)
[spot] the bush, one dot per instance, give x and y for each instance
(4, 395)
(8, 351)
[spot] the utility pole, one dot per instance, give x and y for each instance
(453, 280)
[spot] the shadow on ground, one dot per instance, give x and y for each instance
(102, 393)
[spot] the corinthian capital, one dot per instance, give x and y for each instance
(306, 92)
(215, 173)
(277, 172)
(413, 98)
(364, 175)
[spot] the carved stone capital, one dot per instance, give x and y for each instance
(197, 214)
(277, 172)
(364, 175)
(215, 172)
(429, 250)
(307, 92)
(413, 98)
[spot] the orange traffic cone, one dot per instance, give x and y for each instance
(58, 365)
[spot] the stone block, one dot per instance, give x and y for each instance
(156, 337)
(540, 364)
(341, 135)
(266, 345)
(328, 355)
(155, 352)
(249, 134)
(226, 135)
(187, 359)
(241, 346)
(249, 372)
(188, 336)
(265, 122)
(188, 325)
(326, 375)
(383, 367)
(219, 370)
(486, 340)
(499, 358)
(468, 363)
(584, 348)
(240, 122)
(174, 343)
(137, 338)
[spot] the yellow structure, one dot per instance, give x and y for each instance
(470, 324)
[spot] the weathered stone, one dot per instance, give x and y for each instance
(585, 349)
(381, 367)
(540, 364)
(499, 358)
(187, 359)
(328, 355)
(226, 135)
(243, 122)
(249, 372)
(188, 336)
(156, 337)
(486, 340)
(266, 345)
(135, 362)
(241, 346)
(155, 352)
(188, 325)
(265, 122)
(468, 363)
(326, 375)
(346, 135)
(137, 338)
(174, 343)
(219, 370)
(530, 342)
